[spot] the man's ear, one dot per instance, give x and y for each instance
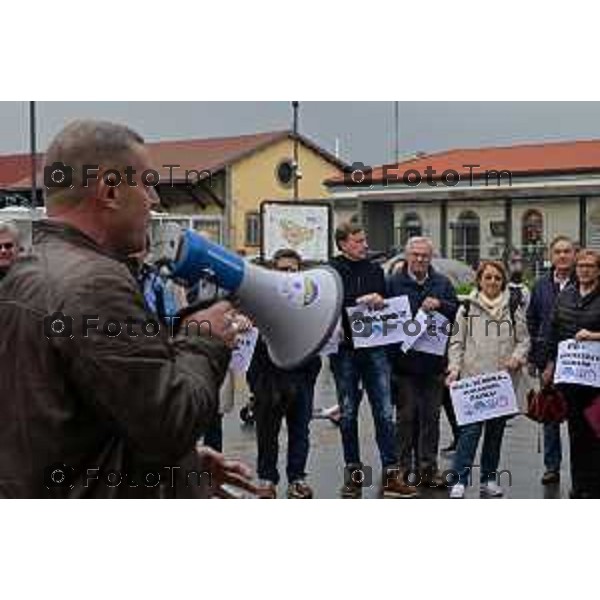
(107, 194)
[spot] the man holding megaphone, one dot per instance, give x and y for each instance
(106, 396)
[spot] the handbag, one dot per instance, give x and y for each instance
(592, 415)
(546, 405)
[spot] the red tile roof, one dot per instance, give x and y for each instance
(16, 167)
(212, 154)
(552, 158)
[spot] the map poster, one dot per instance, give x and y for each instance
(299, 226)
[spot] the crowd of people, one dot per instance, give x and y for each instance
(137, 404)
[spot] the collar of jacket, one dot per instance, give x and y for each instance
(430, 273)
(474, 299)
(45, 230)
(570, 279)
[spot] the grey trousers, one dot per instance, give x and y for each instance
(418, 404)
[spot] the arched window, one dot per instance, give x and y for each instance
(465, 238)
(411, 227)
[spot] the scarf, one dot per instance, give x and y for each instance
(495, 306)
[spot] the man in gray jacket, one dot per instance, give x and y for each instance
(95, 399)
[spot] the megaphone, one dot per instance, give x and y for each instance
(295, 312)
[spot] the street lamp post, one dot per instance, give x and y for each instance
(32, 139)
(295, 107)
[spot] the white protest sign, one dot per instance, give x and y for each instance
(372, 328)
(241, 355)
(433, 336)
(579, 363)
(483, 397)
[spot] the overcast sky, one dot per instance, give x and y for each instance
(365, 130)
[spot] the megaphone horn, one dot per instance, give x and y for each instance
(295, 312)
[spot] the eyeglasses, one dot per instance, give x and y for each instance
(7, 246)
(586, 265)
(420, 255)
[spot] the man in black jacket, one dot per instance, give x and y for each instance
(364, 283)
(539, 321)
(420, 376)
(283, 393)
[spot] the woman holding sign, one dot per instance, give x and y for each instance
(490, 336)
(577, 317)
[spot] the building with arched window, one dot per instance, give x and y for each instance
(483, 202)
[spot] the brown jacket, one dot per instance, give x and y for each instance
(94, 402)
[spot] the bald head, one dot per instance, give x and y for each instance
(87, 142)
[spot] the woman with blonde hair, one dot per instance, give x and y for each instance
(491, 336)
(577, 316)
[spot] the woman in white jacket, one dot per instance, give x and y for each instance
(491, 335)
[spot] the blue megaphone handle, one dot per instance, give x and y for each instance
(196, 254)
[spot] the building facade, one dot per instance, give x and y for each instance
(481, 203)
(214, 185)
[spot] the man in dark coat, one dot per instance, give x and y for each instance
(364, 283)
(96, 400)
(420, 376)
(539, 323)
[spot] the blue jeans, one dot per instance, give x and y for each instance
(468, 441)
(272, 406)
(371, 367)
(552, 447)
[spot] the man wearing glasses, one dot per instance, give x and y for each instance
(9, 246)
(420, 375)
(283, 394)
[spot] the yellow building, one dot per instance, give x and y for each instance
(216, 185)
(236, 175)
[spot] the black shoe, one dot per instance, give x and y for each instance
(551, 478)
(451, 447)
(351, 490)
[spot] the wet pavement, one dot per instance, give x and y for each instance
(521, 452)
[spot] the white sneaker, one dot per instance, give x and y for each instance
(458, 491)
(492, 490)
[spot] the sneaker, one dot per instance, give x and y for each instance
(299, 490)
(457, 491)
(491, 490)
(267, 490)
(551, 477)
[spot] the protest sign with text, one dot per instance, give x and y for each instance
(483, 397)
(435, 331)
(372, 328)
(241, 355)
(578, 363)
